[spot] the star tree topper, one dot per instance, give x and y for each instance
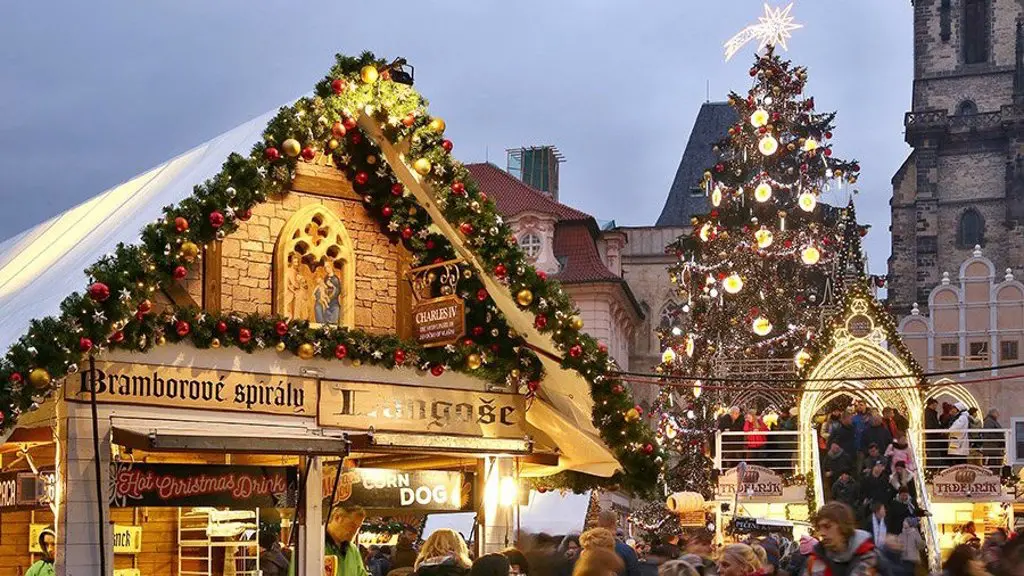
(774, 29)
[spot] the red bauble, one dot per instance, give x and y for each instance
(753, 71)
(429, 244)
(542, 489)
(145, 306)
(533, 385)
(99, 291)
(542, 275)
(216, 219)
(355, 138)
(281, 328)
(180, 224)
(362, 178)
(648, 449)
(84, 344)
(387, 211)
(776, 116)
(338, 85)
(467, 342)
(308, 153)
(762, 130)
(244, 335)
(458, 188)
(719, 167)
(828, 152)
(495, 348)
(618, 389)
(437, 369)
(349, 123)
(466, 228)
(139, 316)
(447, 145)
(399, 356)
(828, 135)
(118, 336)
(272, 154)
(409, 120)
(222, 326)
(500, 271)
(180, 272)
(803, 167)
(340, 351)
(338, 130)
(182, 328)
(639, 410)
(855, 167)
(481, 294)
(407, 233)
(602, 347)
(863, 231)
(397, 189)
(576, 351)
(16, 378)
(540, 321)
(244, 215)
(478, 331)
(788, 244)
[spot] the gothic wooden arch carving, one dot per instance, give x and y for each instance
(314, 269)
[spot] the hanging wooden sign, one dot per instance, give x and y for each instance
(25, 490)
(439, 314)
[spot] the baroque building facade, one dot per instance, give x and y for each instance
(963, 184)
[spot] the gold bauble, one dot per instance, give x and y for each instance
(160, 340)
(474, 361)
(305, 351)
(280, 347)
(514, 374)
(524, 297)
(576, 323)
(189, 251)
(333, 144)
(357, 362)
(437, 125)
(761, 326)
(422, 166)
(810, 145)
(716, 197)
(632, 415)
(668, 356)
(291, 147)
(39, 378)
(215, 343)
(369, 74)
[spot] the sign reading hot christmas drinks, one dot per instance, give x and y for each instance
(386, 489)
(440, 321)
(757, 482)
(966, 481)
(190, 485)
(187, 387)
(388, 407)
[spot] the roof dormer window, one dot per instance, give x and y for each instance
(531, 245)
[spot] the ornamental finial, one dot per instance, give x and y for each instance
(773, 29)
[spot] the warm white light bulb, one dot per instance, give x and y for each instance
(768, 145)
(763, 192)
(761, 326)
(764, 238)
(810, 255)
(759, 118)
(807, 201)
(732, 283)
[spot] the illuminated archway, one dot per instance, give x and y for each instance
(858, 353)
(958, 392)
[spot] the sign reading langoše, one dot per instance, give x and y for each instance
(362, 405)
(186, 387)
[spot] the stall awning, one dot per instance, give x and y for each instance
(579, 450)
(175, 437)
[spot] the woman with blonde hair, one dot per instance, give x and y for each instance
(443, 554)
(677, 568)
(597, 538)
(738, 560)
(598, 560)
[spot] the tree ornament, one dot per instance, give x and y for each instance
(180, 273)
(272, 154)
(458, 188)
(576, 322)
(474, 361)
(408, 120)
(807, 201)
(437, 369)
(732, 283)
(291, 147)
(802, 358)
(810, 145)
(575, 351)
(399, 356)
(524, 297)
(764, 237)
(668, 356)
(181, 328)
(632, 415)
(447, 145)
(180, 224)
(160, 340)
(338, 85)
(768, 145)
(500, 271)
(244, 335)
(397, 189)
(281, 327)
(759, 118)
(481, 294)
(362, 178)
(540, 321)
(280, 347)
(189, 251)
(466, 228)
(387, 211)
(437, 125)
(338, 130)
(99, 291)
(244, 215)
(215, 343)
(305, 351)
(763, 192)
(533, 386)
(221, 326)
(39, 378)
(84, 344)
(648, 448)
(216, 218)
(422, 166)
(15, 378)
(369, 74)
(340, 351)
(308, 153)
(761, 326)
(810, 255)
(407, 233)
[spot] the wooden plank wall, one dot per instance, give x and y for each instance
(14, 556)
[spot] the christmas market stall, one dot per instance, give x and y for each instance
(326, 317)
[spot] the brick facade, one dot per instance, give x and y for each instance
(964, 128)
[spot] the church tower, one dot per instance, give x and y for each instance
(963, 184)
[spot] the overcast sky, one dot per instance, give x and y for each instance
(93, 93)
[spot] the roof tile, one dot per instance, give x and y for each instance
(513, 196)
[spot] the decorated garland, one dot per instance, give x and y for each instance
(117, 310)
(388, 526)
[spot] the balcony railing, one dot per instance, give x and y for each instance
(778, 452)
(979, 446)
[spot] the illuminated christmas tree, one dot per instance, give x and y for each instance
(753, 275)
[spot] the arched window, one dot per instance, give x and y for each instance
(970, 232)
(975, 31)
(669, 314)
(966, 108)
(531, 245)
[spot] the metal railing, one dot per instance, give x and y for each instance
(778, 451)
(819, 483)
(928, 527)
(986, 447)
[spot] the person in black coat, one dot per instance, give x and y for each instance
(837, 462)
(845, 490)
(846, 436)
(900, 509)
(877, 434)
(876, 486)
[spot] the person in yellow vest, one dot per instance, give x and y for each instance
(341, 550)
(44, 566)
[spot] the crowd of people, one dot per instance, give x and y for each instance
(754, 445)
(960, 445)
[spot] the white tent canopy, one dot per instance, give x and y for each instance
(554, 513)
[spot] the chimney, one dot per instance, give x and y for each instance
(536, 166)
